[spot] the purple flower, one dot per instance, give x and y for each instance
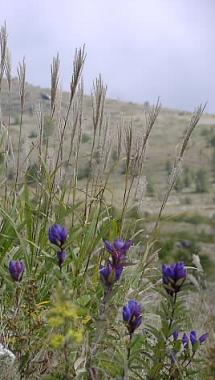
(110, 274)
(118, 249)
(174, 276)
(203, 338)
(16, 269)
(58, 235)
(175, 335)
(132, 315)
(185, 340)
(194, 339)
(61, 255)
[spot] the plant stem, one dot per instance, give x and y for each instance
(126, 368)
(172, 313)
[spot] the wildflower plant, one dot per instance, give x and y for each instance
(111, 311)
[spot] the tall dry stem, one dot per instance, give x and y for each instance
(135, 160)
(98, 102)
(55, 68)
(3, 51)
(21, 71)
(178, 160)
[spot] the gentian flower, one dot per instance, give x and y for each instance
(175, 335)
(110, 274)
(194, 339)
(61, 255)
(58, 235)
(132, 315)
(118, 250)
(16, 269)
(185, 340)
(174, 276)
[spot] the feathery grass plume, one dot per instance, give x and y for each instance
(178, 160)
(78, 64)
(3, 51)
(99, 172)
(151, 115)
(98, 101)
(8, 69)
(77, 146)
(77, 114)
(55, 68)
(135, 153)
(21, 71)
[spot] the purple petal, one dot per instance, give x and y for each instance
(180, 271)
(58, 234)
(135, 308)
(105, 271)
(175, 335)
(119, 271)
(126, 314)
(16, 269)
(119, 244)
(203, 338)
(108, 246)
(185, 340)
(138, 321)
(128, 244)
(193, 337)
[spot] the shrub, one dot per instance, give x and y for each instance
(84, 171)
(85, 138)
(201, 181)
(48, 127)
(33, 174)
(32, 135)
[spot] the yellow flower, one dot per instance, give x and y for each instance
(76, 334)
(56, 321)
(57, 341)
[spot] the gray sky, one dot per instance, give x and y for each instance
(142, 48)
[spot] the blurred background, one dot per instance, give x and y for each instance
(143, 49)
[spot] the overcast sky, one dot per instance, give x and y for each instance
(142, 48)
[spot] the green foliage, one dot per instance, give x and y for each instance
(168, 167)
(150, 189)
(211, 141)
(84, 171)
(179, 185)
(85, 138)
(201, 181)
(62, 321)
(48, 127)
(16, 120)
(213, 164)
(33, 134)
(33, 173)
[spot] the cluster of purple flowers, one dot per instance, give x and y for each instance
(16, 269)
(190, 339)
(58, 236)
(132, 315)
(111, 272)
(174, 276)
